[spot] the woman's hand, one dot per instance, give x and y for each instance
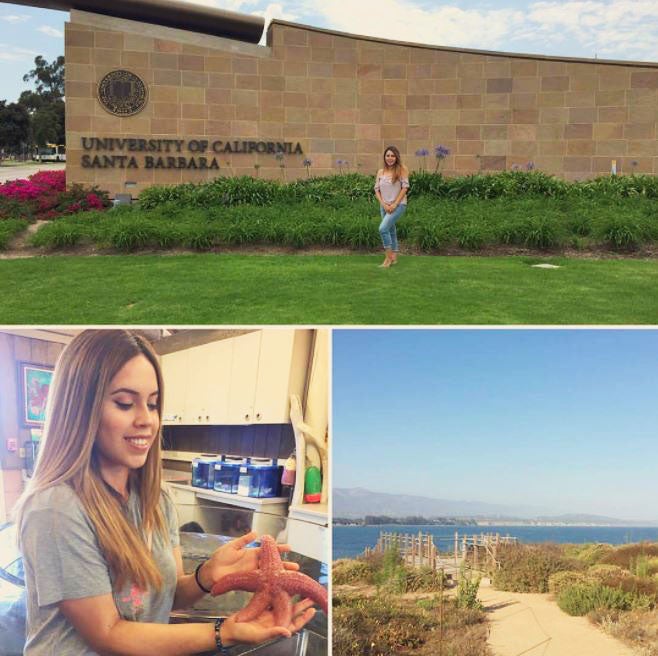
(263, 627)
(235, 557)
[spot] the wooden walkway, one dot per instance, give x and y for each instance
(478, 551)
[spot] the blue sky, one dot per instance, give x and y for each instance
(615, 29)
(561, 419)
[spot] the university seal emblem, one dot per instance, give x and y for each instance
(122, 93)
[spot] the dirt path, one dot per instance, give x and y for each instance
(533, 625)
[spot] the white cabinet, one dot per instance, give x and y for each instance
(261, 385)
(242, 380)
(244, 371)
(175, 372)
(282, 368)
(207, 394)
(308, 530)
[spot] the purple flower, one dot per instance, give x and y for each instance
(422, 152)
(441, 152)
(307, 162)
(515, 167)
(530, 166)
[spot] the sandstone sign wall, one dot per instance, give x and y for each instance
(222, 107)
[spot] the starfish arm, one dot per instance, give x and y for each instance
(257, 604)
(248, 581)
(269, 557)
(297, 583)
(282, 607)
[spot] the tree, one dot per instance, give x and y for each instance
(45, 105)
(49, 78)
(14, 126)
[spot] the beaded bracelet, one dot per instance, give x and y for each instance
(218, 637)
(197, 579)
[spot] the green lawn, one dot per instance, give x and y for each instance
(327, 289)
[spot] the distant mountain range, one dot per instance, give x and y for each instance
(359, 502)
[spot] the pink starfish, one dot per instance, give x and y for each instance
(274, 586)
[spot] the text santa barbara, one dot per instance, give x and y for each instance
(176, 153)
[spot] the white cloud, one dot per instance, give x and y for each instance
(14, 18)
(12, 53)
(50, 31)
(613, 28)
(403, 20)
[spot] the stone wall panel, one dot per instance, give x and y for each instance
(345, 97)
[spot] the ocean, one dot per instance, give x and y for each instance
(350, 541)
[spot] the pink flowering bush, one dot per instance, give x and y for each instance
(44, 196)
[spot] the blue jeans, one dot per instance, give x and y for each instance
(387, 229)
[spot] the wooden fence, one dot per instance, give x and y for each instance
(475, 551)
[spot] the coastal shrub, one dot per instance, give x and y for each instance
(527, 568)
(581, 599)
(367, 625)
(348, 572)
(467, 591)
(624, 555)
(561, 580)
(603, 573)
(9, 229)
(637, 628)
(390, 626)
(423, 579)
(590, 554)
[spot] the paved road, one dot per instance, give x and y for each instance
(23, 171)
(533, 625)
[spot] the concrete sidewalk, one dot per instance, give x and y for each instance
(533, 625)
(24, 170)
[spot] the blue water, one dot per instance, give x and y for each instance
(350, 541)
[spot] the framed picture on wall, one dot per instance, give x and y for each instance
(33, 384)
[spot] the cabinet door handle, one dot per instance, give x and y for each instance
(246, 417)
(258, 416)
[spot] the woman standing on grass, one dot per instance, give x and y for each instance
(99, 537)
(391, 191)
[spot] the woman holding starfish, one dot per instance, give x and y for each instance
(99, 537)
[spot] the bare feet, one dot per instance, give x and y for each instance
(385, 264)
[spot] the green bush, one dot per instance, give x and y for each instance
(590, 554)
(581, 599)
(527, 568)
(346, 571)
(9, 228)
(467, 591)
(561, 580)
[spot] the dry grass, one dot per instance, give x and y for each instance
(393, 625)
(638, 629)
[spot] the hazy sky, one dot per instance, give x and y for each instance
(561, 419)
(615, 29)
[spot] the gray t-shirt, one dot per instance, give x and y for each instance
(63, 560)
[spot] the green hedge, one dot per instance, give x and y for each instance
(244, 190)
(429, 225)
(9, 228)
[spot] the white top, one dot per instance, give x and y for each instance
(388, 189)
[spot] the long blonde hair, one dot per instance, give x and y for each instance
(67, 454)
